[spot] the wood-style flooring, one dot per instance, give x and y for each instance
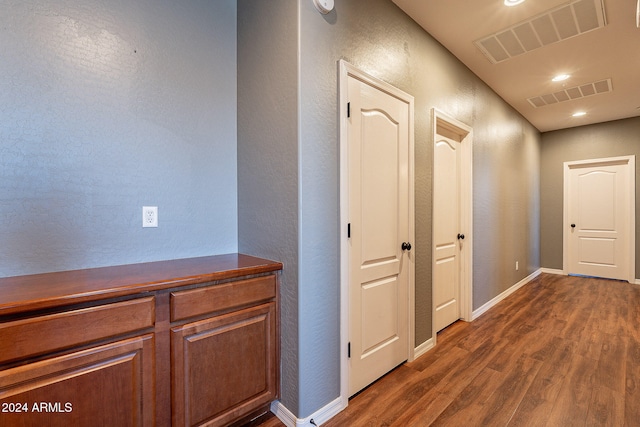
(561, 351)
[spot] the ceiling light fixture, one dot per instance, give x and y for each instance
(579, 114)
(512, 2)
(560, 77)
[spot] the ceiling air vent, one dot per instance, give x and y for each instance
(561, 23)
(569, 94)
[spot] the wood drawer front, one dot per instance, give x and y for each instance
(195, 302)
(109, 385)
(38, 335)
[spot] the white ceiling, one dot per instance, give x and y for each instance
(610, 52)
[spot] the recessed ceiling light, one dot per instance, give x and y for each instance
(560, 77)
(579, 114)
(512, 2)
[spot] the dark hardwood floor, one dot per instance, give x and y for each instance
(561, 351)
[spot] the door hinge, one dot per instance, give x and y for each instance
(348, 109)
(349, 350)
(349, 231)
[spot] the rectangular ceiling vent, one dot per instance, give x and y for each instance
(577, 92)
(554, 25)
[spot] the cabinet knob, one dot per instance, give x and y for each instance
(460, 236)
(406, 246)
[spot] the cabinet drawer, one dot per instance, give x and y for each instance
(38, 335)
(194, 302)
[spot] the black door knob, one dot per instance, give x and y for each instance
(460, 236)
(573, 226)
(406, 246)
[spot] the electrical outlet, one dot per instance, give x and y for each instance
(149, 216)
(517, 265)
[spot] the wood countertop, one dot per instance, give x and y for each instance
(47, 290)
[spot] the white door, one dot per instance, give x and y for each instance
(447, 234)
(598, 218)
(379, 131)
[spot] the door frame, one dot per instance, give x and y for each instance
(347, 70)
(631, 162)
(440, 119)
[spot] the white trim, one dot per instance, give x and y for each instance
(562, 273)
(466, 214)
(344, 242)
(480, 311)
(285, 415)
(346, 70)
(412, 233)
(322, 415)
(424, 348)
(552, 271)
(631, 248)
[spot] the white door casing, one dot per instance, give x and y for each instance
(377, 211)
(599, 218)
(452, 248)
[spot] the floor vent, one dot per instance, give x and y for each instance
(561, 23)
(569, 94)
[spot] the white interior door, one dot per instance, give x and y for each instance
(447, 234)
(452, 226)
(599, 218)
(379, 151)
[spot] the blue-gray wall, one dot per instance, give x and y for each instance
(268, 198)
(106, 106)
(378, 38)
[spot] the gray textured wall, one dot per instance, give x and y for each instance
(375, 36)
(380, 39)
(268, 157)
(107, 106)
(610, 139)
(506, 198)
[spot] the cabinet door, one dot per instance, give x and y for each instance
(109, 385)
(224, 367)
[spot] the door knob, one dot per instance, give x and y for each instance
(460, 236)
(406, 246)
(573, 226)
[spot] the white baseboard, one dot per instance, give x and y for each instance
(423, 348)
(552, 271)
(320, 416)
(480, 311)
(562, 273)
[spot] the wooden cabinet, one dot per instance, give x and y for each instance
(183, 343)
